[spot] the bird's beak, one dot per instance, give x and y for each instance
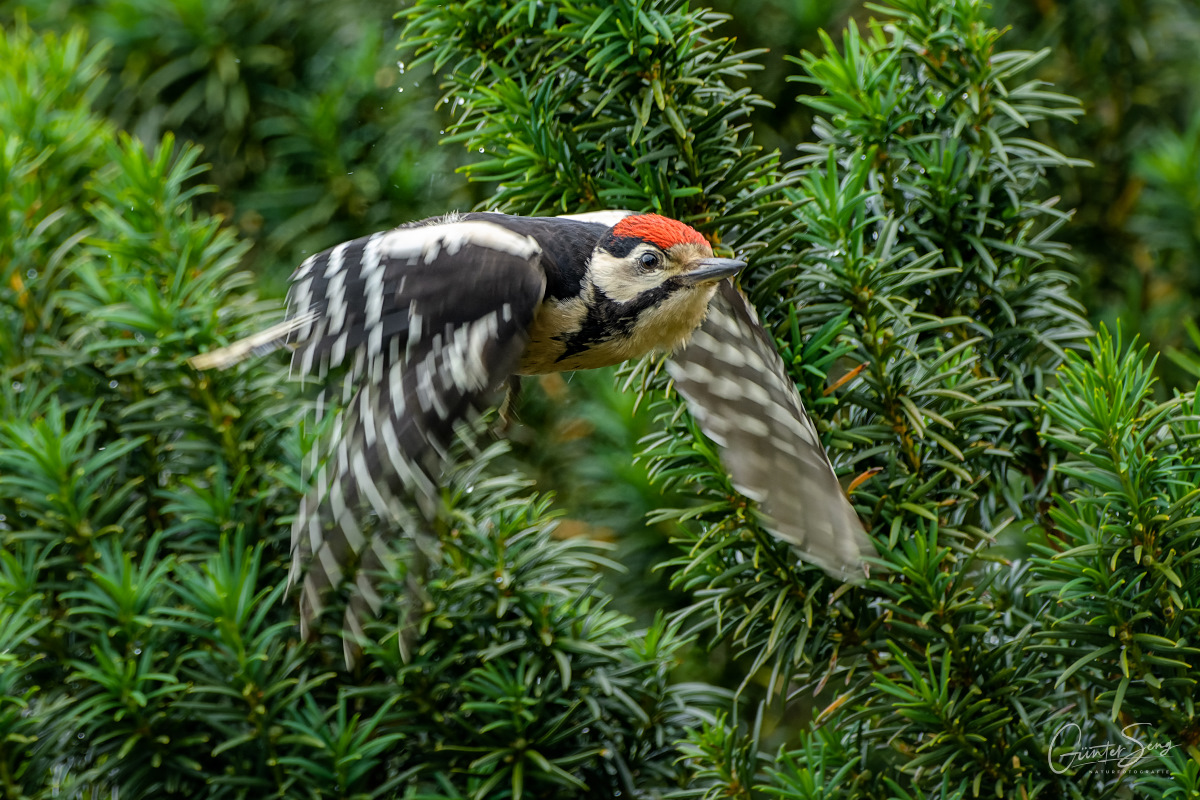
(711, 270)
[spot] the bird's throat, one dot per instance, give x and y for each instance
(594, 331)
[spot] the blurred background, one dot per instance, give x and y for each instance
(316, 133)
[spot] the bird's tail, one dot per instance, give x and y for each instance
(258, 344)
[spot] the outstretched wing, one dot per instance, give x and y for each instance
(427, 320)
(738, 390)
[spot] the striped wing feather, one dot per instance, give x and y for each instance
(738, 391)
(429, 320)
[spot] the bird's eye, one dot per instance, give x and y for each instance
(650, 260)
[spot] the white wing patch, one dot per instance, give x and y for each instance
(606, 218)
(428, 241)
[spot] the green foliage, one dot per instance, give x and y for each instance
(592, 105)
(148, 647)
(50, 142)
(780, 27)
(523, 678)
(1032, 496)
(1133, 66)
(910, 257)
(315, 136)
(574, 436)
(1127, 579)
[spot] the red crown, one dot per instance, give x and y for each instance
(660, 231)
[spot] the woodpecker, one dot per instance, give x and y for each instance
(431, 318)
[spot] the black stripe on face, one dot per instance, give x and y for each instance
(607, 319)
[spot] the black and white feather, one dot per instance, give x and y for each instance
(737, 388)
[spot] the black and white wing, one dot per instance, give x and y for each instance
(427, 321)
(738, 390)
(431, 319)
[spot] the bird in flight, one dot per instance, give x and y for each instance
(431, 318)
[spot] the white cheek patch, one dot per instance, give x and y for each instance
(622, 280)
(619, 280)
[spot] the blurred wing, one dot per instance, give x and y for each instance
(738, 391)
(430, 320)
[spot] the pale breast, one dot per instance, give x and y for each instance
(553, 322)
(663, 327)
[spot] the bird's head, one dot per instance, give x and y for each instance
(649, 283)
(649, 257)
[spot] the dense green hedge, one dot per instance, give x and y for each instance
(313, 134)
(146, 644)
(1033, 499)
